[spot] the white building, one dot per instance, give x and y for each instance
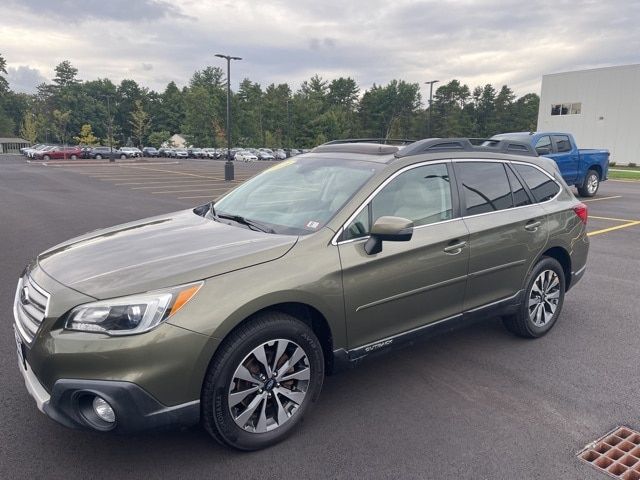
(600, 107)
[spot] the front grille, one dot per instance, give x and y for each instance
(29, 307)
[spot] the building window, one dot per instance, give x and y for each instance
(566, 108)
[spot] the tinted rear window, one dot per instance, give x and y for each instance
(485, 186)
(520, 195)
(541, 186)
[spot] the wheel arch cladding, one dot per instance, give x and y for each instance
(563, 257)
(311, 316)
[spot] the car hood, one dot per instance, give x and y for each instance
(158, 252)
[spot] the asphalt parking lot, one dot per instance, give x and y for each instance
(478, 403)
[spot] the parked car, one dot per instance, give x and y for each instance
(210, 153)
(113, 335)
(245, 156)
(58, 153)
(293, 152)
(102, 152)
(25, 150)
(128, 152)
(41, 148)
(584, 168)
(196, 153)
(180, 153)
(264, 155)
(150, 152)
(280, 154)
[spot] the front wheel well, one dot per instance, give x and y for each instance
(313, 318)
(562, 256)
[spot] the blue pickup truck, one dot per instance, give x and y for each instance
(584, 168)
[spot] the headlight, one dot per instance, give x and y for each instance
(130, 315)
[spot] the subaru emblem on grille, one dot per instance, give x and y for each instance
(24, 295)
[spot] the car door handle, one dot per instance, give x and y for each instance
(532, 226)
(454, 249)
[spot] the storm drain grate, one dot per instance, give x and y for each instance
(617, 454)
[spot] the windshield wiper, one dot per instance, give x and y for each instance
(245, 221)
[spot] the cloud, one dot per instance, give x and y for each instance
(24, 79)
(121, 10)
(510, 42)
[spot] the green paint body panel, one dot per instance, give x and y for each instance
(363, 298)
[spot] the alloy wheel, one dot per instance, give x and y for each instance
(592, 184)
(269, 386)
(544, 297)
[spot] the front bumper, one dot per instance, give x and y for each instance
(136, 410)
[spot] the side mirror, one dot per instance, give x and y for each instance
(390, 229)
(543, 150)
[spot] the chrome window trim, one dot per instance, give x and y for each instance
(334, 240)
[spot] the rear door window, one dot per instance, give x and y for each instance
(541, 185)
(520, 195)
(562, 143)
(485, 186)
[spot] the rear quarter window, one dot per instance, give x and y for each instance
(541, 185)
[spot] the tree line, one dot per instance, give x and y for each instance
(69, 110)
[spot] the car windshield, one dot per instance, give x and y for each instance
(298, 196)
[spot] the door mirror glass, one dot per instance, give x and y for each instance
(391, 229)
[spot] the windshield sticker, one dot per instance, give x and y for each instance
(313, 225)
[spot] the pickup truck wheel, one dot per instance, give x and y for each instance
(591, 183)
(542, 303)
(264, 378)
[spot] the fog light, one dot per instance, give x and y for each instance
(103, 410)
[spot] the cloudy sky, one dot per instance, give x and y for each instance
(156, 41)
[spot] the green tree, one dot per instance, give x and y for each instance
(86, 136)
(156, 139)
(66, 75)
(139, 122)
(4, 85)
(28, 129)
(60, 124)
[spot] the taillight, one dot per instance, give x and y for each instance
(581, 212)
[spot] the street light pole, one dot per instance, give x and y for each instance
(228, 166)
(430, 83)
(110, 130)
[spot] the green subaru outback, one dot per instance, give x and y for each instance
(231, 314)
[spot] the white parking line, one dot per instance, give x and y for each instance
(188, 191)
(603, 198)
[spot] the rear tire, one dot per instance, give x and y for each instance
(74, 157)
(590, 185)
(98, 157)
(542, 303)
(268, 404)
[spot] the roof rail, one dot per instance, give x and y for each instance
(364, 148)
(384, 141)
(467, 145)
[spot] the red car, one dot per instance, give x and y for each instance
(71, 153)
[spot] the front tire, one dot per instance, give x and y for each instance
(264, 378)
(590, 185)
(542, 303)
(123, 157)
